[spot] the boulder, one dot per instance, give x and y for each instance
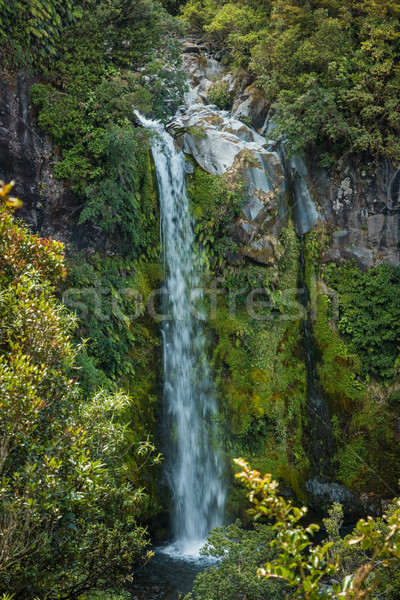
(227, 144)
(251, 106)
(355, 505)
(266, 250)
(189, 48)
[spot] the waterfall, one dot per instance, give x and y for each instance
(193, 469)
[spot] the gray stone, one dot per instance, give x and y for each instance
(251, 105)
(305, 214)
(266, 250)
(189, 48)
(375, 226)
(189, 167)
(298, 166)
(252, 209)
(220, 54)
(393, 232)
(363, 256)
(360, 207)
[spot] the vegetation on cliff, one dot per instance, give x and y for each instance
(329, 69)
(355, 325)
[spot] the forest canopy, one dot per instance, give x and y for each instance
(329, 69)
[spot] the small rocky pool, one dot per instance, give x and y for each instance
(167, 576)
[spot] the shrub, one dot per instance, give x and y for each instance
(219, 95)
(69, 501)
(240, 553)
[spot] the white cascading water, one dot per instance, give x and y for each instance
(194, 471)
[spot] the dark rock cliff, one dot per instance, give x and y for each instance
(26, 156)
(360, 202)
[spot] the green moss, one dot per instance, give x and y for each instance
(110, 295)
(339, 368)
(295, 479)
(346, 320)
(259, 367)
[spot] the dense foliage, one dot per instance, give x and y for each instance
(353, 317)
(69, 498)
(110, 295)
(240, 554)
(116, 59)
(30, 30)
(370, 314)
(307, 567)
(329, 69)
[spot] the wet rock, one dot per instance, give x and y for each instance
(323, 494)
(355, 505)
(220, 143)
(305, 214)
(189, 168)
(221, 53)
(189, 48)
(371, 504)
(176, 127)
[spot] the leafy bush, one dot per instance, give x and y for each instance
(30, 29)
(109, 296)
(69, 499)
(240, 554)
(215, 202)
(370, 314)
(306, 566)
(219, 95)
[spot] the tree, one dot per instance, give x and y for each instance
(69, 500)
(30, 29)
(328, 68)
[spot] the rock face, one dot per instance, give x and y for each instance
(251, 106)
(361, 205)
(50, 208)
(221, 143)
(355, 505)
